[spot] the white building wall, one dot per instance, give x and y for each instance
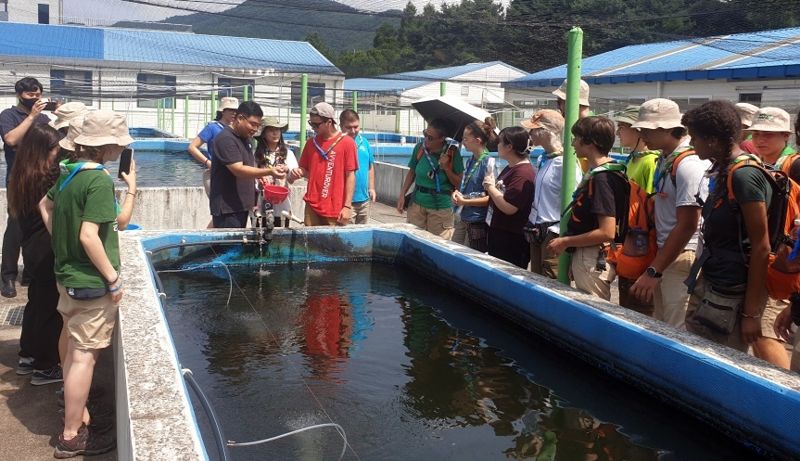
(28, 10)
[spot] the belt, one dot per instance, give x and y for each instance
(426, 190)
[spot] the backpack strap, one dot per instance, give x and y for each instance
(785, 162)
(740, 162)
(673, 171)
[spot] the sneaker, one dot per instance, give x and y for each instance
(25, 366)
(86, 443)
(8, 289)
(42, 377)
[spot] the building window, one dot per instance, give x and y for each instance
(44, 13)
(152, 88)
(465, 90)
(316, 93)
(71, 85)
(236, 87)
(751, 98)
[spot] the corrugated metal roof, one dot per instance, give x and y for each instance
(57, 43)
(381, 85)
(445, 73)
(774, 54)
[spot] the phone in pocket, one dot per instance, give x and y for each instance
(125, 162)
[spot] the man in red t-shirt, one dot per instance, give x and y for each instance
(329, 162)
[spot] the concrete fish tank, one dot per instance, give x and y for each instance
(388, 343)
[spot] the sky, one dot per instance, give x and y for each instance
(86, 11)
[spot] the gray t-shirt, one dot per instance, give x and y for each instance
(690, 182)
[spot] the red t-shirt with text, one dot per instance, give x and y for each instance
(325, 193)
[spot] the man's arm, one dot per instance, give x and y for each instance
(240, 170)
(13, 137)
(371, 187)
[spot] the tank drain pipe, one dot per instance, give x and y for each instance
(219, 438)
(291, 216)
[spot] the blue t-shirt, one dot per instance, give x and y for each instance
(472, 183)
(209, 133)
(365, 161)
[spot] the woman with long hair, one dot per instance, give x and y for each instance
(471, 196)
(271, 151)
(728, 297)
(31, 176)
(510, 198)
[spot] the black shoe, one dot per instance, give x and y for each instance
(8, 289)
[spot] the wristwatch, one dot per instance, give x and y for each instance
(653, 273)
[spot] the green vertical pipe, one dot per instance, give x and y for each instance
(172, 125)
(158, 113)
(575, 50)
(213, 104)
(246, 93)
(442, 88)
(355, 101)
(186, 116)
(303, 110)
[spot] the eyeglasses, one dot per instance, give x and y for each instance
(428, 137)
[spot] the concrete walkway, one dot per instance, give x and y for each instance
(29, 417)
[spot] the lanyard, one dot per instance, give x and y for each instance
(78, 169)
(472, 166)
(545, 157)
(324, 153)
(434, 174)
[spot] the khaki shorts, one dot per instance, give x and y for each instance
(437, 222)
(89, 323)
(771, 311)
(360, 213)
(207, 181)
(311, 218)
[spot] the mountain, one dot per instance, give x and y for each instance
(334, 22)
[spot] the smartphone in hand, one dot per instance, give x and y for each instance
(50, 106)
(125, 162)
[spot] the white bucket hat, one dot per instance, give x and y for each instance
(75, 129)
(66, 112)
(104, 127)
(659, 113)
(771, 119)
(746, 112)
(228, 103)
(583, 97)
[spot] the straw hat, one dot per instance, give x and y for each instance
(228, 103)
(75, 129)
(659, 113)
(104, 127)
(549, 119)
(583, 96)
(746, 112)
(273, 122)
(629, 115)
(67, 112)
(771, 119)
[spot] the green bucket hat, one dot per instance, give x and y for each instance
(629, 115)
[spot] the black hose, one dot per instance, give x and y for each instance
(219, 438)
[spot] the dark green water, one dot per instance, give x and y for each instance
(411, 370)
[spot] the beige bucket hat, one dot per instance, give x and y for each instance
(771, 119)
(549, 119)
(746, 112)
(104, 127)
(228, 103)
(629, 115)
(66, 112)
(583, 97)
(659, 113)
(323, 109)
(75, 129)
(273, 122)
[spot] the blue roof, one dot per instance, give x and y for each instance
(77, 44)
(381, 85)
(773, 54)
(445, 73)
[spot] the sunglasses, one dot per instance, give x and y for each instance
(316, 125)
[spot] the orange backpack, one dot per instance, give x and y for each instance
(783, 274)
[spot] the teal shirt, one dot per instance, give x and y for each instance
(424, 177)
(365, 161)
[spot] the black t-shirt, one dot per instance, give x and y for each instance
(607, 199)
(230, 194)
(519, 182)
(724, 230)
(10, 119)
